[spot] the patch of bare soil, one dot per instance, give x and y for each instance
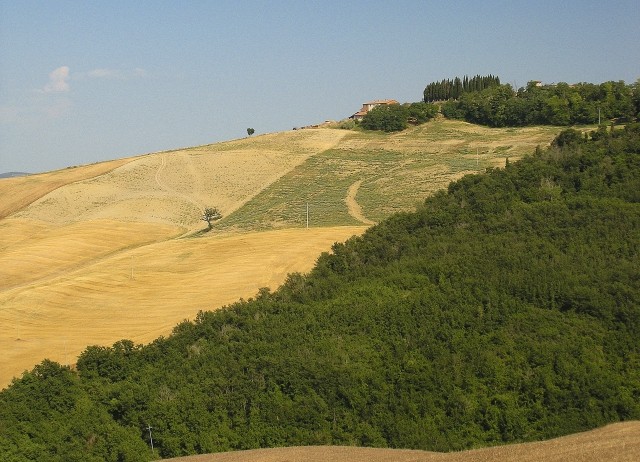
(614, 443)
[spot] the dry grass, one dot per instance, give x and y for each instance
(173, 187)
(395, 172)
(96, 259)
(32, 252)
(142, 292)
(613, 443)
(16, 193)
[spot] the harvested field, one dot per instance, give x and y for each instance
(141, 293)
(16, 193)
(90, 255)
(395, 172)
(614, 443)
(173, 187)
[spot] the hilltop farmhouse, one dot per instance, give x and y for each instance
(366, 107)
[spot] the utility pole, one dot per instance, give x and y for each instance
(149, 427)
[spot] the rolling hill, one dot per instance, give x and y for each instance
(614, 443)
(12, 174)
(96, 253)
(503, 309)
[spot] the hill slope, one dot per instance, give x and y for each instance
(613, 443)
(89, 254)
(86, 254)
(505, 309)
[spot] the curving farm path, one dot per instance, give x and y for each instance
(352, 205)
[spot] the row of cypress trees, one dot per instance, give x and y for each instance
(448, 89)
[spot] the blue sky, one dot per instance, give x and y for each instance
(84, 81)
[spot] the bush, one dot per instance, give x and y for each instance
(395, 117)
(388, 118)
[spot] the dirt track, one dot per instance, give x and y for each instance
(352, 204)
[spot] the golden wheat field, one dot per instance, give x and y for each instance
(95, 257)
(94, 254)
(614, 443)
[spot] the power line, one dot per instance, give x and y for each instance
(149, 427)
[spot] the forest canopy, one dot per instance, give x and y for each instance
(504, 309)
(484, 100)
(560, 104)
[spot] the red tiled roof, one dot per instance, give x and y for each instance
(383, 101)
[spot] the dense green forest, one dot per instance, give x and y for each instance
(505, 309)
(561, 104)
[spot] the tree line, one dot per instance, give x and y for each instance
(561, 104)
(453, 89)
(484, 100)
(504, 309)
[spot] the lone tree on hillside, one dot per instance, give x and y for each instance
(250, 131)
(211, 214)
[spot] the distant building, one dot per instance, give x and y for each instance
(366, 107)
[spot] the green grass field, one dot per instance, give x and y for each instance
(397, 171)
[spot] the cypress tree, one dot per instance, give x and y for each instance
(446, 89)
(457, 88)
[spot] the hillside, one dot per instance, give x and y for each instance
(502, 310)
(92, 254)
(613, 443)
(12, 174)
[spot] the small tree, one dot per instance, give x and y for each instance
(211, 214)
(250, 131)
